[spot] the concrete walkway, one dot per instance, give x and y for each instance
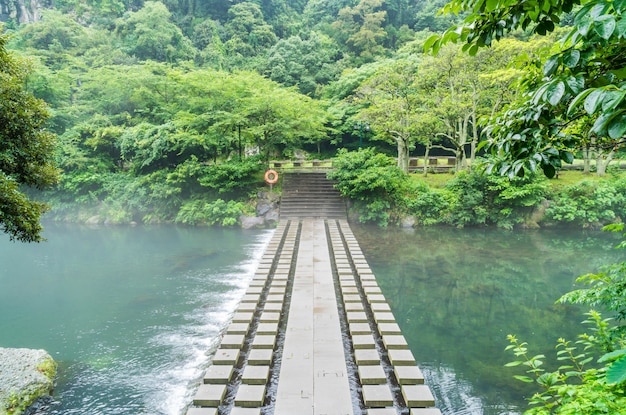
(313, 376)
(313, 335)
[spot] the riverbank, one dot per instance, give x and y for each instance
(26, 375)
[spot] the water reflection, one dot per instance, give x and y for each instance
(457, 293)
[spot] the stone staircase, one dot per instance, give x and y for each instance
(310, 195)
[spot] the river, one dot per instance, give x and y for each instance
(130, 313)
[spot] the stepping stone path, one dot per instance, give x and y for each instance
(313, 335)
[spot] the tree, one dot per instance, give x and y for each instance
(26, 150)
(308, 63)
(149, 34)
(361, 28)
(393, 105)
(278, 118)
(584, 78)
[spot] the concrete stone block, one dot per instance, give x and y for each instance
(409, 375)
(372, 290)
(351, 298)
(276, 307)
(225, 357)
(394, 341)
(245, 411)
(260, 357)
(425, 411)
(238, 328)
(360, 328)
(389, 328)
(269, 317)
(267, 328)
(381, 411)
(243, 317)
(354, 306)
(372, 375)
(264, 341)
(275, 298)
(376, 298)
(250, 396)
(377, 396)
(401, 357)
(366, 357)
(247, 307)
(209, 395)
(232, 341)
(357, 317)
(384, 317)
(255, 375)
(363, 341)
(218, 374)
(383, 307)
(418, 396)
(202, 411)
(250, 298)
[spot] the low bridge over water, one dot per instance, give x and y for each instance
(313, 335)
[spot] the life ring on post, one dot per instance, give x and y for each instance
(271, 177)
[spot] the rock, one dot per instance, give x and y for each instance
(263, 206)
(94, 220)
(26, 375)
(272, 217)
(249, 222)
(407, 222)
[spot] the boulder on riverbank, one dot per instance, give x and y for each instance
(26, 375)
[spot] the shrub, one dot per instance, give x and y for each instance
(489, 199)
(219, 212)
(372, 180)
(589, 203)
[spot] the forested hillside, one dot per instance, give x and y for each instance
(165, 110)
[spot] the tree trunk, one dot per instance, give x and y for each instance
(602, 162)
(403, 154)
(586, 160)
(426, 160)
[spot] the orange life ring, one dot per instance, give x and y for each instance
(271, 177)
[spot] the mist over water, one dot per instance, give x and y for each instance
(131, 314)
(128, 313)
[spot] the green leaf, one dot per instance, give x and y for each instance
(571, 58)
(612, 99)
(555, 92)
(617, 126)
(548, 170)
(593, 101)
(491, 5)
(576, 101)
(430, 42)
(612, 355)
(567, 157)
(523, 378)
(605, 26)
(551, 64)
(513, 364)
(575, 83)
(617, 371)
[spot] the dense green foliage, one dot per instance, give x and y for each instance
(576, 100)
(381, 194)
(25, 150)
(371, 180)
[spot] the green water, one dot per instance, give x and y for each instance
(129, 313)
(457, 293)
